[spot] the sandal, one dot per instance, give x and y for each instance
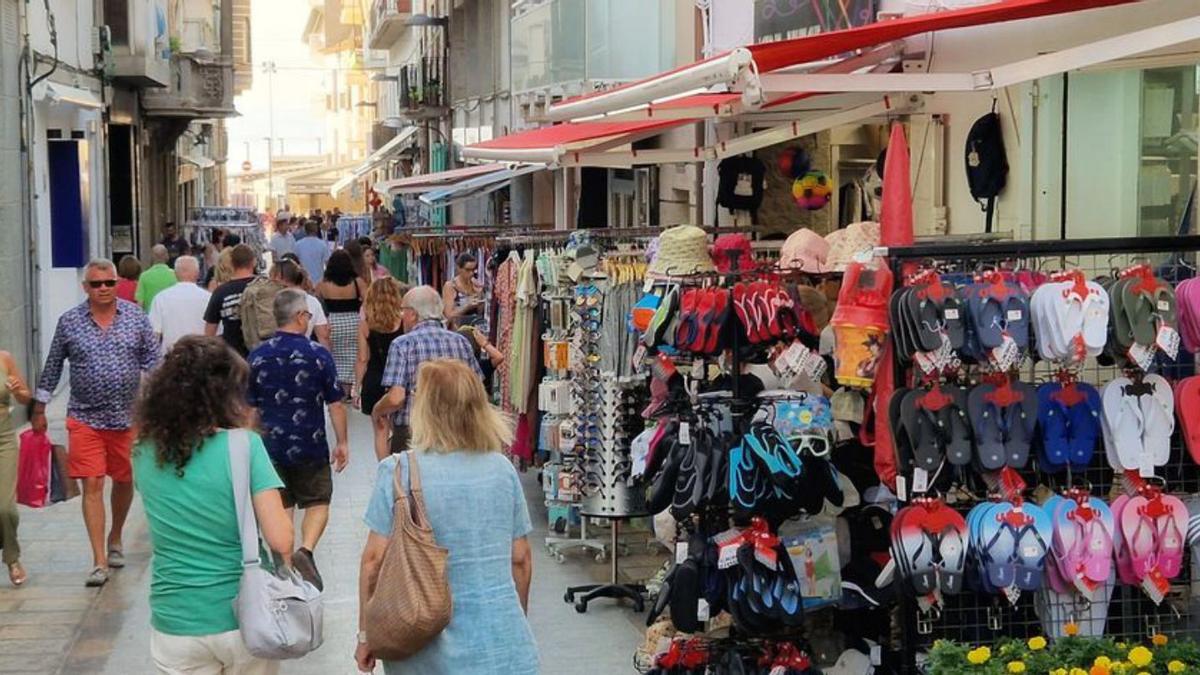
(17, 574)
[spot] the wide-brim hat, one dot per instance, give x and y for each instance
(682, 249)
(804, 250)
(848, 243)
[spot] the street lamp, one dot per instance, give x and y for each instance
(270, 69)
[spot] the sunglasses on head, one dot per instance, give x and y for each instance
(103, 282)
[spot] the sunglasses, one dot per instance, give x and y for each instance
(107, 283)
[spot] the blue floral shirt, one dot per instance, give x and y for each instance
(106, 364)
(292, 378)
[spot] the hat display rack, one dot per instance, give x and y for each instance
(202, 221)
(1051, 450)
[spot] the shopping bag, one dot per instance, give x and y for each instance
(62, 486)
(33, 469)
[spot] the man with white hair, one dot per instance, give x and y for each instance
(110, 344)
(292, 380)
(156, 279)
(424, 339)
(179, 310)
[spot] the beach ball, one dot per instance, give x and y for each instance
(812, 190)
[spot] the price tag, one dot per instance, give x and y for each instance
(1142, 356)
(1013, 594)
(1163, 306)
(950, 314)
(727, 556)
(685, 433)
(681, 552)
(902, 488)
(925, 361)
(920, 480)
(1168, 341)
(816, 366)
(702, 610)
(1014, 315)
(1006, 355)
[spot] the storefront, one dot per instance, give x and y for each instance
(946, 423)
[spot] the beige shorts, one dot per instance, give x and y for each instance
(219, 654)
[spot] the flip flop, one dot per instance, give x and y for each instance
(952, 550)
(1172, 534)
(1095, 318)
(987, 424)
(1187, 398)
(1084, 424)
(1000, 550)
(1121, 552)
(923, 431)
(1020, 420)
(1158, 414)
(957, 425)
(1139, 309)
(928, 319)
(1124, 421)
(1053, 425)
(1140, 534)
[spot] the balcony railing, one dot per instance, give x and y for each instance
(199, 88)
(387, 22)
(422, 87)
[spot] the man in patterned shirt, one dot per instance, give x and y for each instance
(109, 343)
(292, 380)
(424, 339)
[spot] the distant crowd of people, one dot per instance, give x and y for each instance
(163, 364)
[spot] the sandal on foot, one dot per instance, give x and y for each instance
(97, 578)
(116, 557)
(16, 574)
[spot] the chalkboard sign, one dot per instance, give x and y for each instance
(784, 19)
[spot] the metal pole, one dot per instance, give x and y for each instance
(269, 67)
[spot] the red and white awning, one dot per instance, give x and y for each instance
(549, 145)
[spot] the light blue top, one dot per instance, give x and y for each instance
(313, 253)
(476, 508)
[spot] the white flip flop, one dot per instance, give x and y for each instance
(1158, 411)
(1123, 416)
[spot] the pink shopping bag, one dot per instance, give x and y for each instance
(33, 469)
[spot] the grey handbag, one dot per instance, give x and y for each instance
(279, 613)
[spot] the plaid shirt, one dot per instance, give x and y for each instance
(426, 341)
(106, 364)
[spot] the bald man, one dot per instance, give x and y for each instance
(156, 279)
(179, 310)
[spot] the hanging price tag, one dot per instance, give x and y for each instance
(1006, 355)
(685, 433)
(1168, 341)
(1142, 356)
(727, 556)
(920, 480)
(926, 362)
(950, 314)
(815, 367)
(681, 551)
(1013, 315)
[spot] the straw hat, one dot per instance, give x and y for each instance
(847, 243)
(804, 250)
(682, 249)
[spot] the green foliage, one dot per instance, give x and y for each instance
(952, 658)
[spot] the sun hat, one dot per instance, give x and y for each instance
(847, 243)
(804, 250)
(682, 249)
(732, 247)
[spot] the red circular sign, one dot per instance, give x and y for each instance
(246, 165)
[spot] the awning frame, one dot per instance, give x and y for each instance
(998, 77)
(477, 186)
(754, 141)
(373, 160)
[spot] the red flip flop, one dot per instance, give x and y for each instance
(720, 314)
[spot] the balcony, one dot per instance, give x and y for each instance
(199, 88)
(388, 22)
(422, 90)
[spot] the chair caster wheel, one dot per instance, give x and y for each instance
(581, 607)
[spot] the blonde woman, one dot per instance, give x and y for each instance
(381, 325)
(475, 505)
(223, 271)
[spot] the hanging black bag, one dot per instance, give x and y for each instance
(987, 163)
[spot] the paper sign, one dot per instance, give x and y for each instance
(1163, 306)
(727, 556)
(1013, 315)
(1006, 355)
(950, 314)
(1142, 356)
(920, 480)
(685, 433)
(681, 552)
(1168, 341)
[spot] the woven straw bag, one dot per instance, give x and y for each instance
(411, 604)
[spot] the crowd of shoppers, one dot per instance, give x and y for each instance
(158, 382)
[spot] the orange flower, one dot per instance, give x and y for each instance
(1159, 640)
(1071, 629)
(1099, 670)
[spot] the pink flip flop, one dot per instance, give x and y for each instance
(1172, 531)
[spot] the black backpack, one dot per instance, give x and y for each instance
(987, 164)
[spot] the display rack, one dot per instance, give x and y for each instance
(983, 619)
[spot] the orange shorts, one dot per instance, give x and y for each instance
(95, 453)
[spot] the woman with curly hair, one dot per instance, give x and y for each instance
(181, 468)
(382, 324)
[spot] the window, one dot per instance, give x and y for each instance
(116, 17)
(1167, 173)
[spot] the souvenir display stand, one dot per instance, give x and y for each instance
(1059, 417)
(202, 221)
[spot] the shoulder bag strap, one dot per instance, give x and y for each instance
(239, 469)
(416, 502)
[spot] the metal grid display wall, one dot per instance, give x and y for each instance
(977, 618)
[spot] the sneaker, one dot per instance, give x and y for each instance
(116, 558)
(303, 562)
(97, 578)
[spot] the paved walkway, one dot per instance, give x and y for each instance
(55, 625)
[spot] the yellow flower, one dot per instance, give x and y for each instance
(1103, 661)
(1159, 640)
(1071, 629)
(1037, 643)
(979, 656)
(1140, 656)
(1142, 672)
(1078, 671)
(1059, 671)
(1176, 667)
(1016, 666)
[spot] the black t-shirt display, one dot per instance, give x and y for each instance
(225, 308)
(741, 183)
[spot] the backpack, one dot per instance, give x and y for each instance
(258, 310)
(987, 163)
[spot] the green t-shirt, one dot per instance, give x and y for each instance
(152, 282)
(194, 534)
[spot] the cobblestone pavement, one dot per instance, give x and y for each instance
(55, 625)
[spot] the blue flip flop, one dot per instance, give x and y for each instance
(1053, 425)
(1085, 426)
(988, 424)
